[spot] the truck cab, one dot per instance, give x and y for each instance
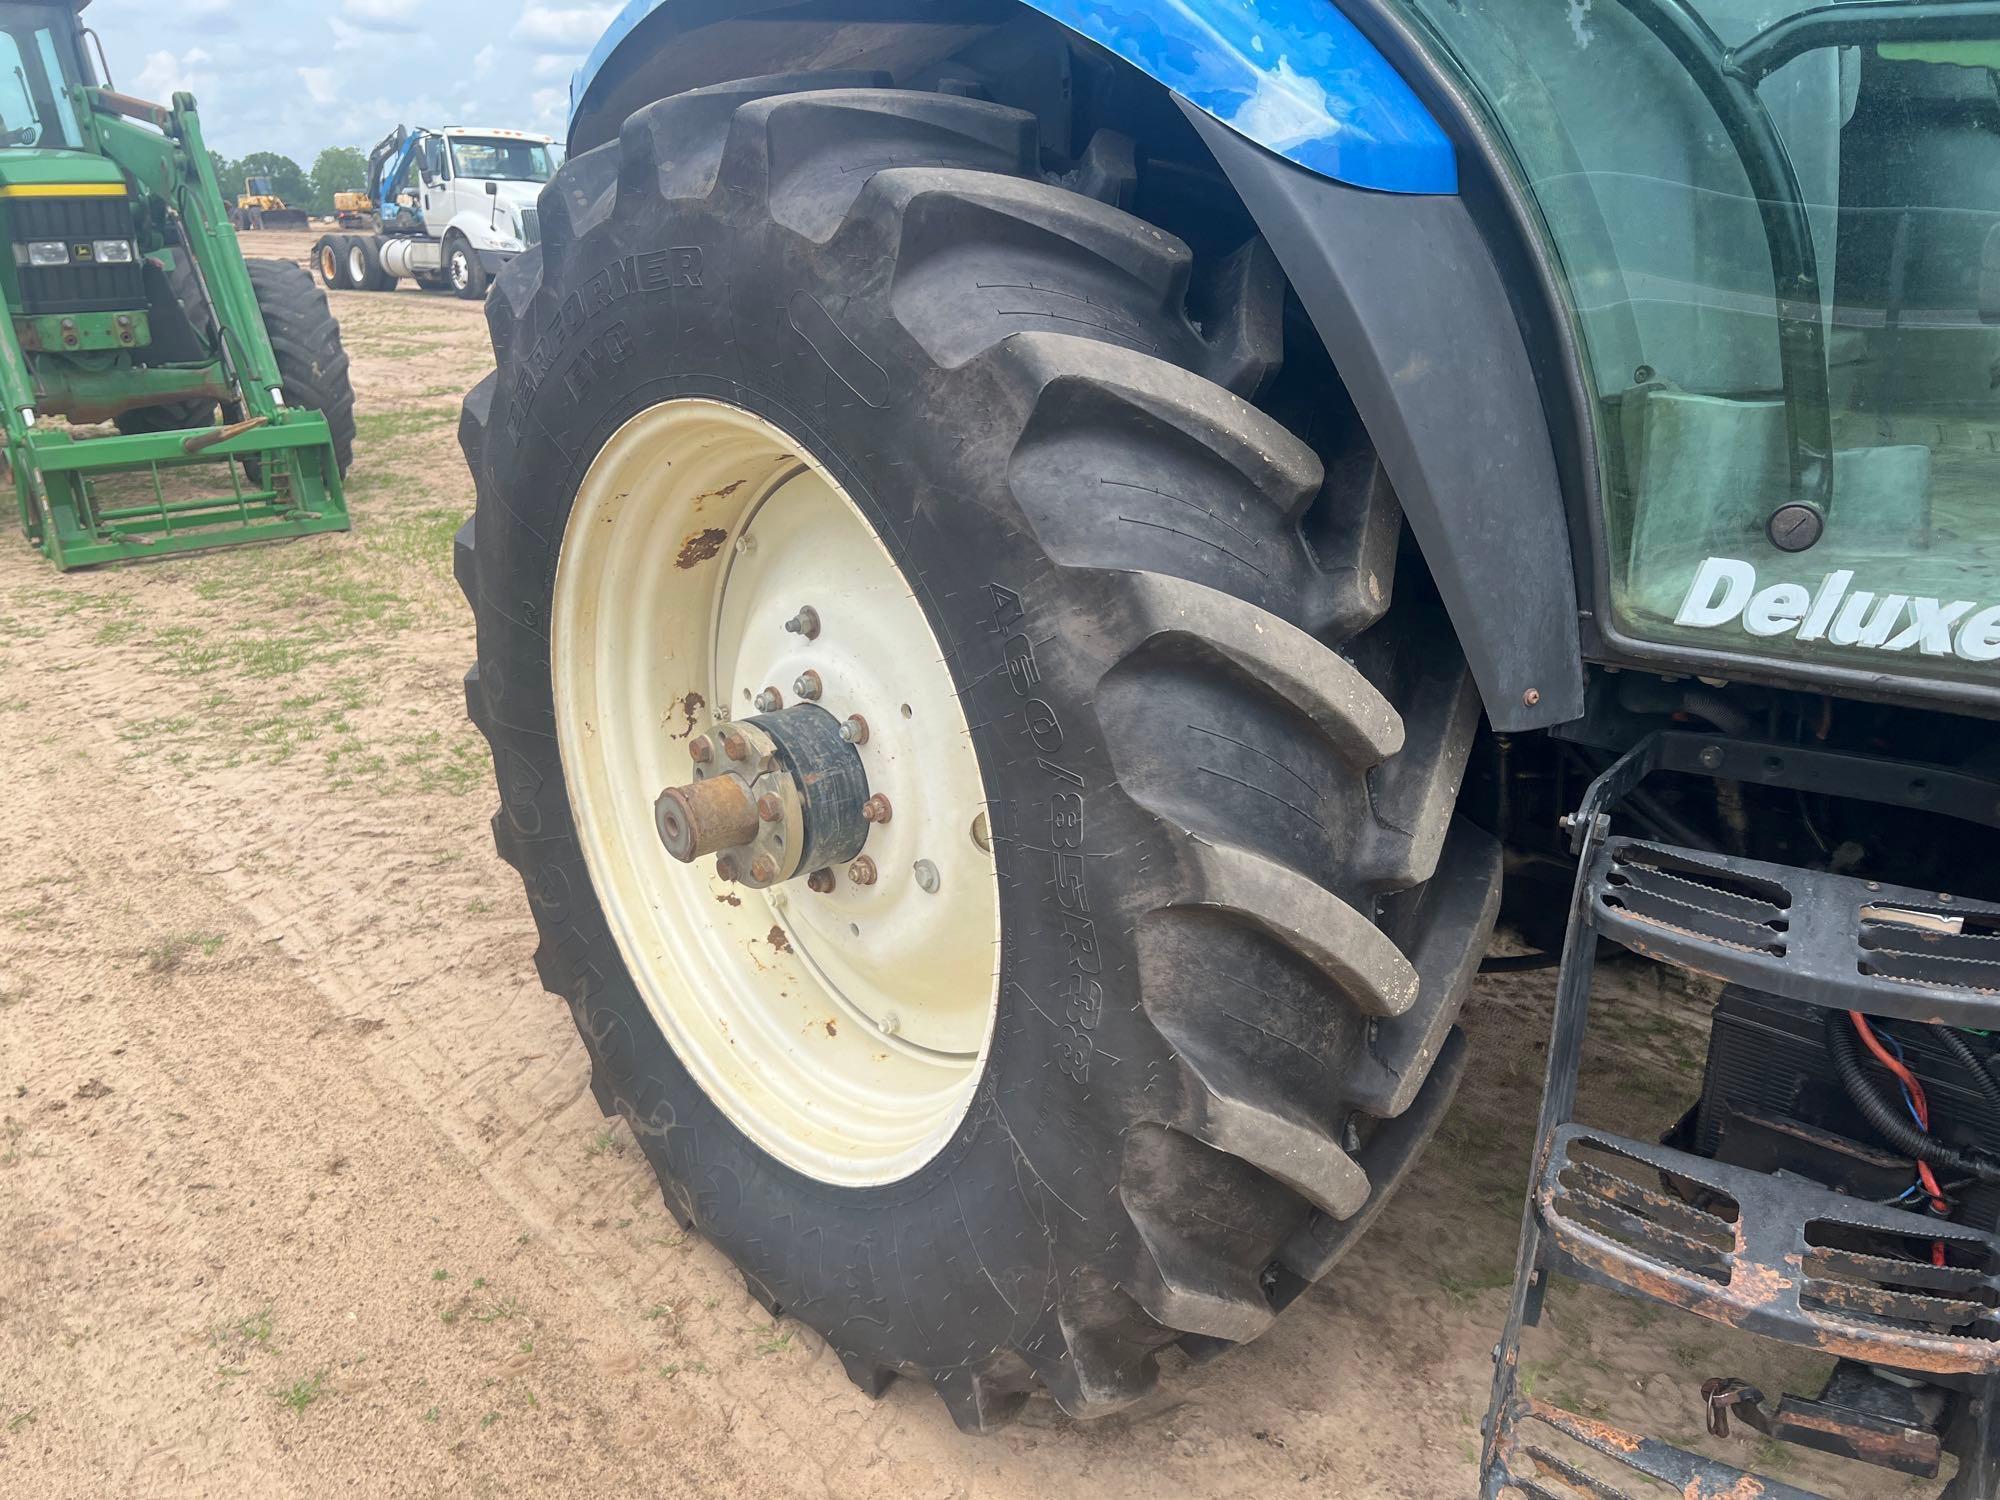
(472, 189)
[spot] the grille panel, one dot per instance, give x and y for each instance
(76, 288)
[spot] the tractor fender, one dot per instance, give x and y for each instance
(1405, 294)
(1355, 184)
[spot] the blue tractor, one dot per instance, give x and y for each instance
(1037, 563)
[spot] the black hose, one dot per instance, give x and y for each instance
(1899, 1132)
(1980, 1069)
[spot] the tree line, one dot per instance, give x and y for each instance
(337, 169)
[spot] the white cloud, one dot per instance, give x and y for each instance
(550, 110)
(569, 28)
(347, 37)
(212, 15)
(319, 85)
(482, 60)
(165, 75)
(556, 64)
(382, 15)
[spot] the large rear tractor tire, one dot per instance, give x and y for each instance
(1123, 1010)
(312, 365)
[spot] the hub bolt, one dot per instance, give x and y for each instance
(725, 866)
(769, 808)
(735, 746)
(807, 687)
(763, 869)
(927, 876)
(805, 623)
(862, 871)
(700, 751)
(876, 809)
(854, 729)
(770, 701)
(820, 880)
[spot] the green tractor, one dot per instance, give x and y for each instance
(130, 302)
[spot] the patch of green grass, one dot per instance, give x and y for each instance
(771, 1339)
(382, 426)
(1464, 1289)
(22, 1419)
(440, 1275)
(431, 1415)
(504, 1311)
(169, 952)
(602, 1143)
(250, 1331)
(488, 1420)
(301, 1393)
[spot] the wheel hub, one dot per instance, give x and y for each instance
(805, 895)
(773, 796)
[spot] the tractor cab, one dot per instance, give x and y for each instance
(40, 67)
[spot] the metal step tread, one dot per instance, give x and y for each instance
(1773, 1254)
(1808, 935)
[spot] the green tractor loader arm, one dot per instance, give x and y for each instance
(130, 301)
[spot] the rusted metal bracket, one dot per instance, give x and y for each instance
(1778, 1256)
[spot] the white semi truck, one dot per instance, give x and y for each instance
(452, 206)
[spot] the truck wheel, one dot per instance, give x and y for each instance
(462, 269)
(364, 264)
(312, 365)
(1137, 996)
(327, 260)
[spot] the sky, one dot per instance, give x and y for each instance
(300, 75)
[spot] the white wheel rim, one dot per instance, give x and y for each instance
(357, 264)
(843, 1032)
(461, 269)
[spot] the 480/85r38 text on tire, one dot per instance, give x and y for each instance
(1236, 916)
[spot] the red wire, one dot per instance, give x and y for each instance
(1922, 1105)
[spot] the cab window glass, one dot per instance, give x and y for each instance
(502, 160)
(1790, 304)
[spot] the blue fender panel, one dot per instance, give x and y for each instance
(1295, 76)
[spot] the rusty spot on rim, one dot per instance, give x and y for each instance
(692, 704)
(701, 546)
(777, 939)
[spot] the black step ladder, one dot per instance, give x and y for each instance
(1760, 1251)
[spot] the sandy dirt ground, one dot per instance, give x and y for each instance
(302, 1190)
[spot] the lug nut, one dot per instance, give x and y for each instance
(807, 687)
(805, 623)
(876, 809)
(735, 746)
(725, 866)
(769, 808)
(854, 729)
(770, 701)
(763, 869)
(862, 871)
(700, 751)
(821, 881)
(927, 876)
